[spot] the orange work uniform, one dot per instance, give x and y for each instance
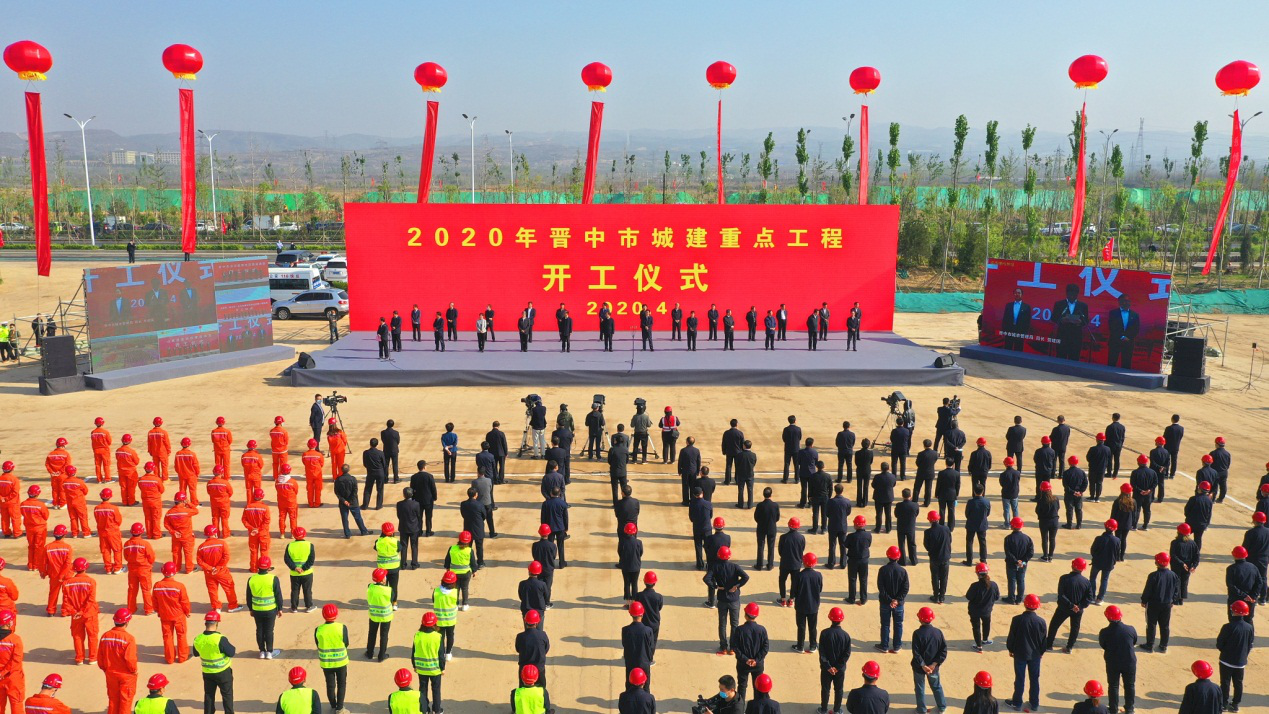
(313, 463)
(117, 657)
(79, 602)
(222, 440)
(171, 600)
(55, 463)
(186, 464)
(159, 444)
(57, 569)
(213, 558)
(220, 492)
(126, 461)
(179, 522)
(35, 520)
(279, 442)
(151, 487)
(139, 556)
(337, 444)
(10, 505)
(288, 506)
(8, 594)
(108, 520)
(76, 493)
(12, 674)
(256, 519)
(252, 470)
(40, 703)
(101, 442)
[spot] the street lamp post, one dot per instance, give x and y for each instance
(472, 120)
(512, 151)
(88, 189)
(211, 159)
(1105, 177)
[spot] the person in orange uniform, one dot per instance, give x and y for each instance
(220, 492)
(187, 469)
(10, 501)
(35, 520)
(46, 701)
(313, 463)
(58, 557)
(159, 444)
(151, 487)
(8, 591)
(337, 445)
(12, 674)
(79, 603)
(126, 462)
(213, 558)
(139, 556)
(252, 468)
(288, 501)
(101, 443)
(117, 658)
(55, 463)
(171, 600)
(279, 442)
(222, 440)
(255, 517)
(76, 493)
(108, 520)
(179, 522)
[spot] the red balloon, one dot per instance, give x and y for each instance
(597, 76)
(430, 76)
(29, 59)
(720, 75)
(1087, 71)
(865, 80)
(1236, 78)
(182, 61)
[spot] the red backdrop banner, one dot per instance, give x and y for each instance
(506, 255)
(39, 184)
(1037, 325)
(189, 176)
(429, 151)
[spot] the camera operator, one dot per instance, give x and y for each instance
(537, 423)
(727, 701)
(316, 415)
(946, 413)
(641, 424)
(594, 431)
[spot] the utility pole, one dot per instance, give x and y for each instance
(88, 189)
(472, 120)
(511, 149)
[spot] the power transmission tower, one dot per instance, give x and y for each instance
(1138, 154)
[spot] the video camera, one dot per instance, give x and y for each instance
(701, 706)
(641, 403)
(530, 400)
(895, 400)
(954, 404)
(334, 400)
(598, 401)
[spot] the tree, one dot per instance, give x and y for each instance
(802, 156)
(848, 150)
(893, 159)
(765, 165)
(960, 132)
(1194, 167)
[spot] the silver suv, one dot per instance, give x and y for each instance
(314, 303)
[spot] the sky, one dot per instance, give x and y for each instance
(315, 67)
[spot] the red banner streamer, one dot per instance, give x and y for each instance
(863, 155)
(719, 148)
(429, 150)
(189, 183)
(592, 150)
(1231, 180)
(1108, 251)
(1077, 205)
(39, 183)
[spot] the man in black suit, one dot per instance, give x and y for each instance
(900, 447)
(1015, 441)
(376, 474)
(1059, 437)
(1070, 316)
(382, 333)
(396, 331)
(769, 328)
(812, 330)
(606, 326)
(498, 447)
(676, 322)
(792, 438)
(416, 324)
(1116, 435)
(120, 308)
(489, 315)
(1125, 324)
(782, 321)
(751, 319)
(692, 324)
(566, 332)
(823, 321)
(733, 444)
(645, 328)
(531, 314)
(316, 416)
(845, 444)
(559, 314)
(853, 324)
(729, 331)
(525, 328)
(423, 490)
(391, 450)
(712, 316)
(451, 322)
(1015, 321)
(438, 333)
(132, 250)
(1172, 435)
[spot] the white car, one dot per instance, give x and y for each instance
(336, 269)
(14, 227)
(321, 260)
(288, 226)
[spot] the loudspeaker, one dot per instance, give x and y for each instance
(58, 356)
(1189, 385)
(944, 361)
(306, 361)
(1188, 356)
(62, 385)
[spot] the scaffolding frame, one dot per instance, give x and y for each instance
(1184, 321)
(71, 317)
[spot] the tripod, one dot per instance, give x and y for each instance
(1252, 376)
(524, 437)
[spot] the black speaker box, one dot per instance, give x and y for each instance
(944, 361)
(62, 385)
(1189, 385)
(1188, 357)
(58, 356)
(306, 361)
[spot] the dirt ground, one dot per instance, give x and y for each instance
(585, 670)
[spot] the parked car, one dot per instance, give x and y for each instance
(288, 226)
(1168, 228)
(1056, 229)
(290, 258)
(314, 303)
(157, 227)
(336, 269)
(320, 261)
(14, 227)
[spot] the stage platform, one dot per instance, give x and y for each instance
(884, 359)
(132, 376)
(1053, 365)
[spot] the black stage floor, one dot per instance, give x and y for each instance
(884, 359)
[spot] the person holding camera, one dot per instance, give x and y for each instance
(640, 424)
(537, 424)
(727, 701)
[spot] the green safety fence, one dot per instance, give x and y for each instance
(1230, 302)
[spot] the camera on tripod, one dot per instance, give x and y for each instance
(897, 402)
(954, 404)
(334, 399)
(597, 402)
(529, 402)
(641, 403)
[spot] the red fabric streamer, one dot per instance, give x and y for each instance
(1077, 205)
(719, 148)
(592, 150)
(1231, 180)
(39, 184)
(429, 150)
(189, 184)
(1108, 252)
(863, 155)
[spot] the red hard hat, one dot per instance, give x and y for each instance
(1031, 602)
(1201, 669)
(1112, 525)
(277, 420)
(982, 441)
(1045, 440)
(532, 617)
(932, 517)
(724, 553)
(529, 674)
(107, 494)
(638, 677)
(1101, 436)
(123, 616)
(157, 682)
(7, 618)
(1008, 461)
(925, 615)
(981, 567)
(1160, 441)
(544, 530)
(212, 616)
(1259, 516)
(982, 680)
(464, 537)
(631, 529)
(1207, 458)
(809, 560)
(126, 438)
(1014, 523)
(1205, 486)
(1046, 486)
(61, 442)
(297, 675)
(379, 575)
(158, 421)
(1113, 613)
(99, 421)
(53, 681)
(387, 529)
(186, 442)
(763, 683)
(893, 552)
(149, 466)
(79, 565)
(1094, 688)
(860, 521)
(795, 523)
(220, 421)
(71, 469)
(1079, 564)
(258, 494)
(1184, 529)
(1220, 440)
(285, 468)
(169, 569)
(299, 533)
(251, 443)
(59, 531)
(429, 619)
(449, 578)
(1240, 553)
(1073, 460)
(137, 529)
(667, 409)
(636, 609)
(752, 609)
(7, 466)
(312, 443)
(180, 497)
(535, 568)
(403, 678)
(872, 670)
(264, 562)
(720, 523)
(650, 578)
(330, 612)
(1125, 488)
(330, 421)
(1240, 608)
(3, 562)
(836, 615)
(1143, 459)
(1162, 559)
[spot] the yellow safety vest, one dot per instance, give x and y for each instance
(296, 700)
(299, 554)
(207, 645)
(427, 653)
(332, 653)
(403, 701)
(459, 559)
(150, 705)
(530, 700)
(445, 605)
(379, 597)
(389, 550)
(261, 587)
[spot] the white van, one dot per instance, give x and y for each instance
(286, 283)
